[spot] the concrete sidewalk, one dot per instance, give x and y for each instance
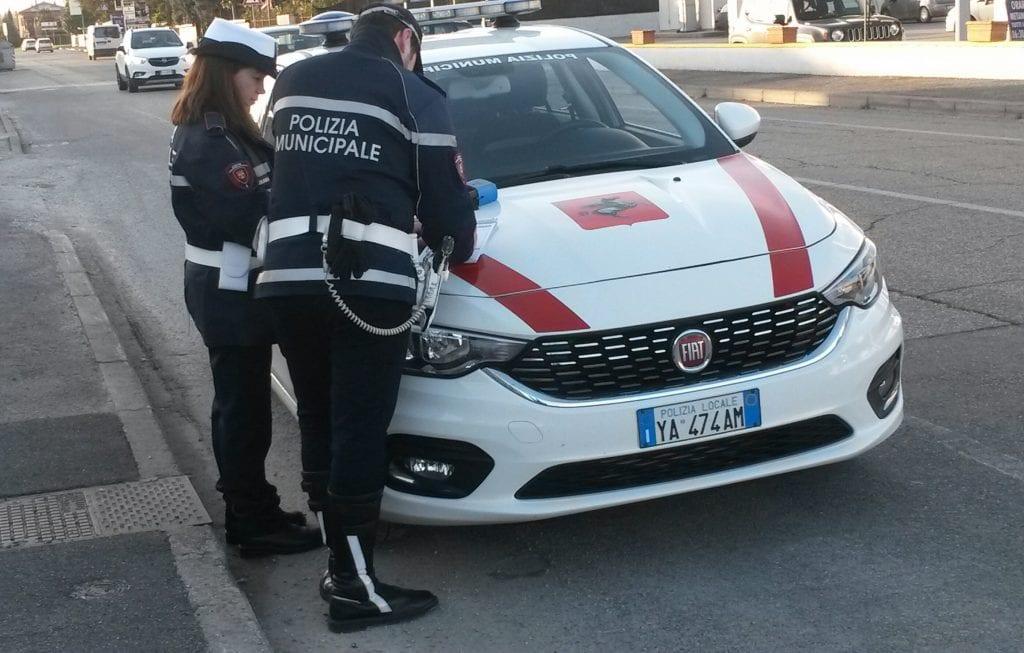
(103, 544)
(969, 96)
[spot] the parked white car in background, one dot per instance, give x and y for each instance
(28, 44)
(149, 57)
(44, 45)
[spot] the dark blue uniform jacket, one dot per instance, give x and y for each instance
(356, 121)
(219, 190)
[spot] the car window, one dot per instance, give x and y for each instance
(158, 39)
(292, 41)
(107, 32)
(577, 112)
(814, 9)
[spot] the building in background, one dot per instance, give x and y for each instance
(43, 19)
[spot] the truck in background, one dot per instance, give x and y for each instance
(102, 40)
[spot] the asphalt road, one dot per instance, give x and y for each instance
(914, 546)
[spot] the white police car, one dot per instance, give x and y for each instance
(651, 312)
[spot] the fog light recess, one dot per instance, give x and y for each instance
(435, 467)
(884, 391)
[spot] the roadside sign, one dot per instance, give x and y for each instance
(75, 7)
(48, 24)
(1015, 14)
(129, 11)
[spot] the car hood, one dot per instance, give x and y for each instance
(612, 226)
(156, 53)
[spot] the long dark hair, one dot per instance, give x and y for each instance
(209, 86)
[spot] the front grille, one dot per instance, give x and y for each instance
(163, 62)
(685, 461)
(875, 33)
(602, 364)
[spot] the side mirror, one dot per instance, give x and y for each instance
(189, 45)
(120, 49)
(739, 122)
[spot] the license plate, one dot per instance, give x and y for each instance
(161, 72)
(699, 418)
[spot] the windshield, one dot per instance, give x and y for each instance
(109, 32)
(292, 41)
(817, 9)
(160, 39)
(522, 118)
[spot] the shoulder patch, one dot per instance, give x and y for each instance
(214, 123)
(241, 175)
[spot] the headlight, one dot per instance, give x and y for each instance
(138, 61)
(894, 29)
(442, 352)
(837, 35)
(861, 282)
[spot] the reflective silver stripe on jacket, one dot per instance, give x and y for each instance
(372, 233)
(318, 274)
(361, 108)
(210, 258)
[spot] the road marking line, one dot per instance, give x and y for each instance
(1005, 139)
(51, 88)
(916, 198)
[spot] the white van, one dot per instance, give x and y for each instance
(102, 40)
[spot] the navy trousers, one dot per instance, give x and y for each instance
(241, 424)
(346, 384)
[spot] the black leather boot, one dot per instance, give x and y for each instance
(269, 532)
(357, 599)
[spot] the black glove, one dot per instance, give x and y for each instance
(345, 257)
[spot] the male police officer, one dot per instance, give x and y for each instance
(364, 144)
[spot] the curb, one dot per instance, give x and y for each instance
(224, 614)
(9, 132)
(990, 108)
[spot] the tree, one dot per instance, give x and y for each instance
(12, 29)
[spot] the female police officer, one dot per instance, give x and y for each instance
(220, 178)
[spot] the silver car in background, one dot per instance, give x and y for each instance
(920, 10)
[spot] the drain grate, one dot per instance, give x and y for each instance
(45, 519)
(159, 504)
(147, 506)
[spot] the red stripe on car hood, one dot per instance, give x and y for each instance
(787, 251)
(538, 308)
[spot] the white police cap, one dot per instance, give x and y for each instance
(240, 44)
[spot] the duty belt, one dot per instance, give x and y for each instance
(357, 231)
(210, 258)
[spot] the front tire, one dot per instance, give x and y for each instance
(133, 86)
(924, 16)
(121, 86)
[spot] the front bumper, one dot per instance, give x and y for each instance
(525, 437)
(146, 75)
